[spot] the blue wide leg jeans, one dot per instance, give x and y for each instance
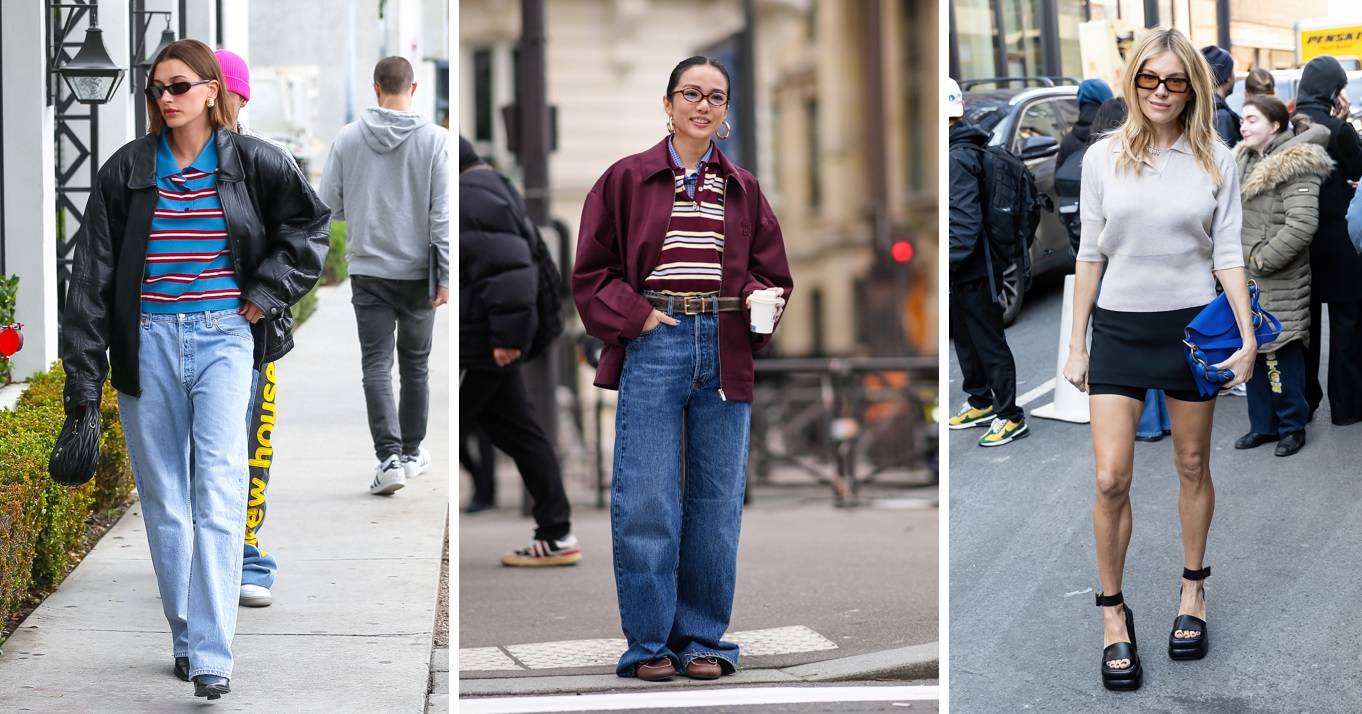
(675, 543)
(195, 375)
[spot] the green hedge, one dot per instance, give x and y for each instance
(42, 523)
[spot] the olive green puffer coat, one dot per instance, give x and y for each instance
(1280, 188)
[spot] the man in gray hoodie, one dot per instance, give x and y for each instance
(386, 177)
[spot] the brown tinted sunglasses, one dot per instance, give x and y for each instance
(1176, 85)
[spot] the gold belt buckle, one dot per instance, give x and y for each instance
(688, 301)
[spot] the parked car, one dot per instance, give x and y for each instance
(1029, 122)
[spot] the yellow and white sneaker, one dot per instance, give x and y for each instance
(970, 416)
(1003, 431)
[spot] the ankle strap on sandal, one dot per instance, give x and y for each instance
(1110, 600)
(1197, 574)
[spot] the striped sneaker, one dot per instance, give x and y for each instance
(1003, 431)
(538, 553)
(970, 416)
(388, 477)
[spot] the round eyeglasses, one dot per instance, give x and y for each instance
(717, 98)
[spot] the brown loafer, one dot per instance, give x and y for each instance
(704, 668)
(656, 670)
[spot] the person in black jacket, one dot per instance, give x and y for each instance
(986, 364)
(195, 243)
(1334, 264)
(1222, 73)
(1092, 94)
(497, 321)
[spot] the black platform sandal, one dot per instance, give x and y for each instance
(1121, 678)
(1190, 647)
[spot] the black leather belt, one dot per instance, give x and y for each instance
(693, 304)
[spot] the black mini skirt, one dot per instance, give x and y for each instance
(1141, 350)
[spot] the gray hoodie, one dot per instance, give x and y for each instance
(386, 177)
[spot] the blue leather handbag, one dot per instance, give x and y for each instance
(1213, 335)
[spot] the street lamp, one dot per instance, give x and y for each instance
(167, 37)
(91, 75)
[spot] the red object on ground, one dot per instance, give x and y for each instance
(11, 340)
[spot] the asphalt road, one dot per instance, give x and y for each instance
(1284, 547)
(865, 578)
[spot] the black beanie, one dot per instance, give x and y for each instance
(468, 156)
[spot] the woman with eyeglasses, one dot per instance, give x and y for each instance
(1282, 163)
(196, 242)
(674, 243)
(1160, 218)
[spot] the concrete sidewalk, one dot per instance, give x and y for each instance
(824, 594)
(354, 604)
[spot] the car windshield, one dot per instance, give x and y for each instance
(984, 113)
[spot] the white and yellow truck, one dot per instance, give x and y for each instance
(1340, 37)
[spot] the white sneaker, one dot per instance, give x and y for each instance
(255, 596)
(416, 464)
(389, 477)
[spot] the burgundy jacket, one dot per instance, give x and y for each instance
(620, 242)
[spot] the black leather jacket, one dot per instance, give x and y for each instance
(278, 233)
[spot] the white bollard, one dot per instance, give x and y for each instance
(1069, 404)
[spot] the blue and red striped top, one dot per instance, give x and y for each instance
(189, 264)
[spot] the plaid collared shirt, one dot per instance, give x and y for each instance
(691, 180)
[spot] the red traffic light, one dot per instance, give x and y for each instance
(902, 251)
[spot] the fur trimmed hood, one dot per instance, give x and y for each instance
(1299, 155)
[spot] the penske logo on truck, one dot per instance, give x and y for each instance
(1343, 41)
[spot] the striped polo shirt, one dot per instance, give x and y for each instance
(189, 265)
(693, 248)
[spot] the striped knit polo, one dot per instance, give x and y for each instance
(189, 264)
(693, 248)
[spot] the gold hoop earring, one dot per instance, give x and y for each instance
(727, 130)
(670, 129)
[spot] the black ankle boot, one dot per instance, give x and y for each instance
(211, 686)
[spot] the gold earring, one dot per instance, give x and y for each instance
(210, 102)
(727, 130)
(670, 129)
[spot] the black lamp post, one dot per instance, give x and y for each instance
(91, 74)
(167, 37)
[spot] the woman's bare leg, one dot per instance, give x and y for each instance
(1114, 420)
(1196, 494)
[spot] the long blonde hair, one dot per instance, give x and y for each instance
(1136, 135)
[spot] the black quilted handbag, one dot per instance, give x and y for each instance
(77, 451)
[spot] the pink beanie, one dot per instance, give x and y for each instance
(235, 71)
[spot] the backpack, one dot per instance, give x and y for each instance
(1068, 188)
(1012, 208)
(549, 291)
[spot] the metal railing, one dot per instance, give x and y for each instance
(845, 423)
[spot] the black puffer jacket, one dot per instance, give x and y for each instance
(497, 275)
(1334, 263)
(278, 233)
(967, 239)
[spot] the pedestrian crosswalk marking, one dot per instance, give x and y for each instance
(679, 699)
(606, 652)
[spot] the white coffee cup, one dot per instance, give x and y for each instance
(763, 306)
